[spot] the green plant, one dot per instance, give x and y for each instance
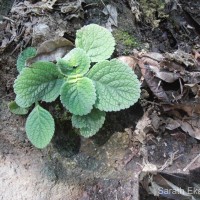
(87, 83)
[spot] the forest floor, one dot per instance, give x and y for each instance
(152, 145)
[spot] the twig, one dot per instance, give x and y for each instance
(170, 161)
(103, 3)
(186, 168)
(6, 18)
(91, 4)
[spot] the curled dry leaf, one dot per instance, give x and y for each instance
(168, 77)
(191, 127)
(154, 84)
(51, 50)
(149, 76)
(130, 61)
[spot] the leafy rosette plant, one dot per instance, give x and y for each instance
(88, 84)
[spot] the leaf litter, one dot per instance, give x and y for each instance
(172, 81)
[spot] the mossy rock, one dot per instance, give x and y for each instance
(125, 41)
(125, 38)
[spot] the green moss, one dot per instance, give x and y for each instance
(125, 38)
(153, 11)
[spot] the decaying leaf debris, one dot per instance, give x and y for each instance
(172, 81)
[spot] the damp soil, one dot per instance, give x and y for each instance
(106, 166)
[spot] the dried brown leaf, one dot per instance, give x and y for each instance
(130, 61)
(172, 66)
(51, 50)
(152, 81)
(154, 84)
(191, 126)
(168, 77)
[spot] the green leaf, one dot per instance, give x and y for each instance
(97, 41)
(78, 96)
(117, 86)
(40, 127)
(24, 55)
(14, 108)
(41, 81)
(89, 124)
(75, 62)
(54, 93)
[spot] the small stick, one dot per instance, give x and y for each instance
(170, 161)
(103, 3)
(6, 18)
(191, 162)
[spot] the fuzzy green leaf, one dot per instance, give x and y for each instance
(89, 124)
(24, 55)
(14, 108)
(40, 127)
(75, 62)
(78, 96)
(97, 41)
(41, 81)
(117, 86)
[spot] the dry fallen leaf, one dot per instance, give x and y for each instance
(51, 50)
(152, 81)
(191, 127)
(166, 76)
(130, 61)
(174, 79)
